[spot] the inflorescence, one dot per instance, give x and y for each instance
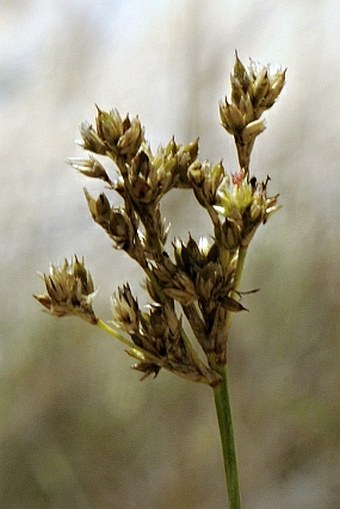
(198, 280)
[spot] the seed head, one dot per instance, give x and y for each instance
(253, 91)
(69, 290)
(126, 313)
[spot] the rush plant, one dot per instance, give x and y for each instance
(196, 280)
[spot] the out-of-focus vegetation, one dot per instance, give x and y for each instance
(77, 427)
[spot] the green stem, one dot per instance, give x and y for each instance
(106, 328)
(222, 404)
(225, 424)
(138, 351)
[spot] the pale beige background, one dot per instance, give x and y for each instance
(78, 430)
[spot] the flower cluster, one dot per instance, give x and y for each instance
(70, 291)
(253, 91)
(197, 281)
(159, 338)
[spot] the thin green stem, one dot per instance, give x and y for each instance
(222, 404)
(112, 332)
(138, 351)
(224, 417)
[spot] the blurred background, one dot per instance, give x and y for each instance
(77, 428)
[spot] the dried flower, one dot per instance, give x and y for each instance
(126, 312)
(91, 140)
(70, 291)
(253, 91)
(89, 167)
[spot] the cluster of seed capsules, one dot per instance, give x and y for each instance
(197, 281)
